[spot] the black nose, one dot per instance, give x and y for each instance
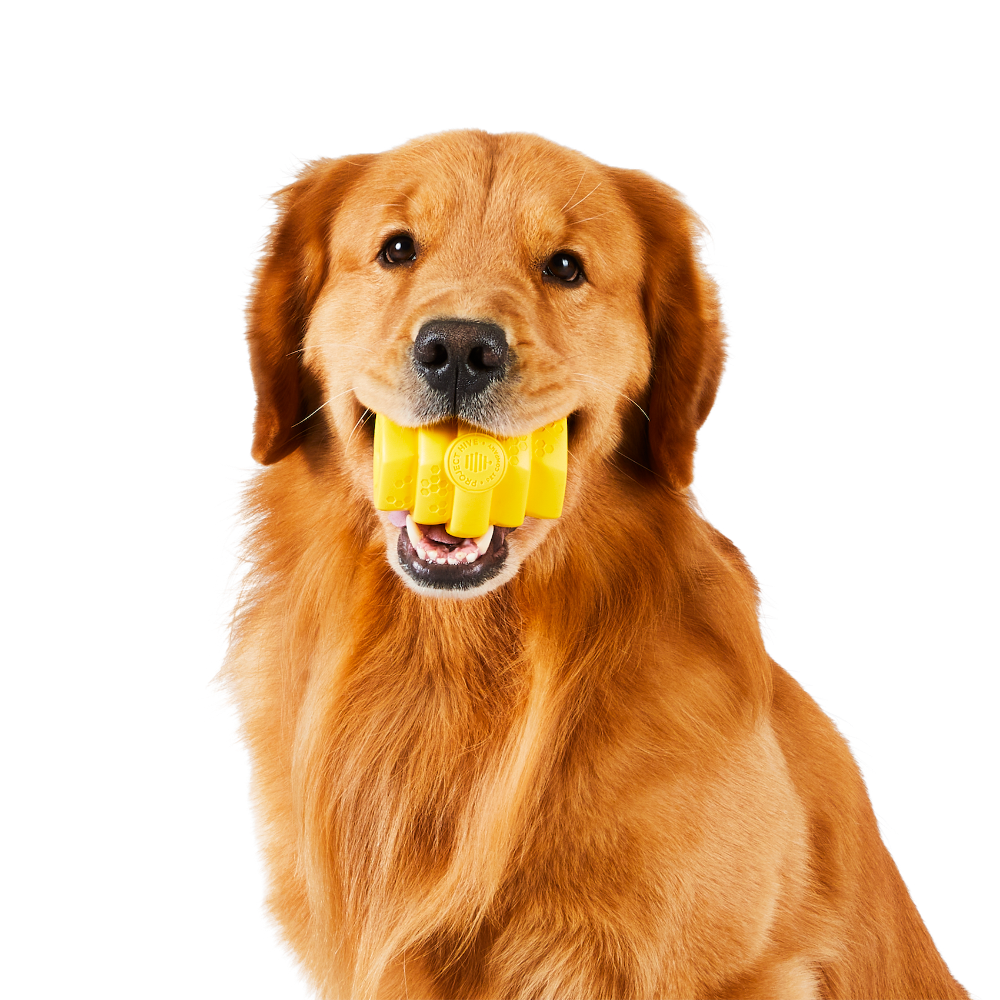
(460, 357)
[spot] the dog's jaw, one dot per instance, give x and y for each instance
(517, 546)
(466, 565)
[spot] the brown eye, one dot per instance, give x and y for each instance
(564, 267)
(398, 250)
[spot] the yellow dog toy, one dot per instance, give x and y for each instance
(453, 474)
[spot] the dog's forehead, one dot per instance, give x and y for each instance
(519, 186)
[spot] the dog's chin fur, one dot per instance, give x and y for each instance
(583, 778)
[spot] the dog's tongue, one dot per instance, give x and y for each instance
(437, 533)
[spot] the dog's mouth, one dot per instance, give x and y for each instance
(433, 558)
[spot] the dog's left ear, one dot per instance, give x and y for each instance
(290, 276)
(681, 305)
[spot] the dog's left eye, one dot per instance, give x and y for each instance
(398, 250)
(564, 267)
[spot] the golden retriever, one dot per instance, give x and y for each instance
(567, 769)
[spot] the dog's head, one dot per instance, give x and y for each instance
(500, 279)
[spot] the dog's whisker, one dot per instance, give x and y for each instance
(631, 479)
(591, 218)
(321, 405)
(585, 197)
(629, 458)
(313, 414)
(364, 416)
(594, 378)
(344, 344)
(577, 188)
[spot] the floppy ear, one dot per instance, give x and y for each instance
(290, 276)
(681, 306)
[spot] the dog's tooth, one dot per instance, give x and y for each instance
(441, 560)
(452, 560)
(416, 537)
(414, 534)
(483, 541)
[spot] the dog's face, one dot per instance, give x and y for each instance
(502, 280)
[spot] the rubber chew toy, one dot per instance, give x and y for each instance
(455, 475)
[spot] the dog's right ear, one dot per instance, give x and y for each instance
(290, 276)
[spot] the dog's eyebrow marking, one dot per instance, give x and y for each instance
(594, 378)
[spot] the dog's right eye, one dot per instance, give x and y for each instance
(398, 250)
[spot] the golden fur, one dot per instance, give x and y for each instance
(586, 779)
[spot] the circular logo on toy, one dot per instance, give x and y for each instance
(475, 462)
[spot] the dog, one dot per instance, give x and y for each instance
(563, 766)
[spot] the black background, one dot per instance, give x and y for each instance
(832, 459)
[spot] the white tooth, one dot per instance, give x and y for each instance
(472, 557)
(421, 552)
(452, 560)
(415, 534)
(441, 560)
(483, 541)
